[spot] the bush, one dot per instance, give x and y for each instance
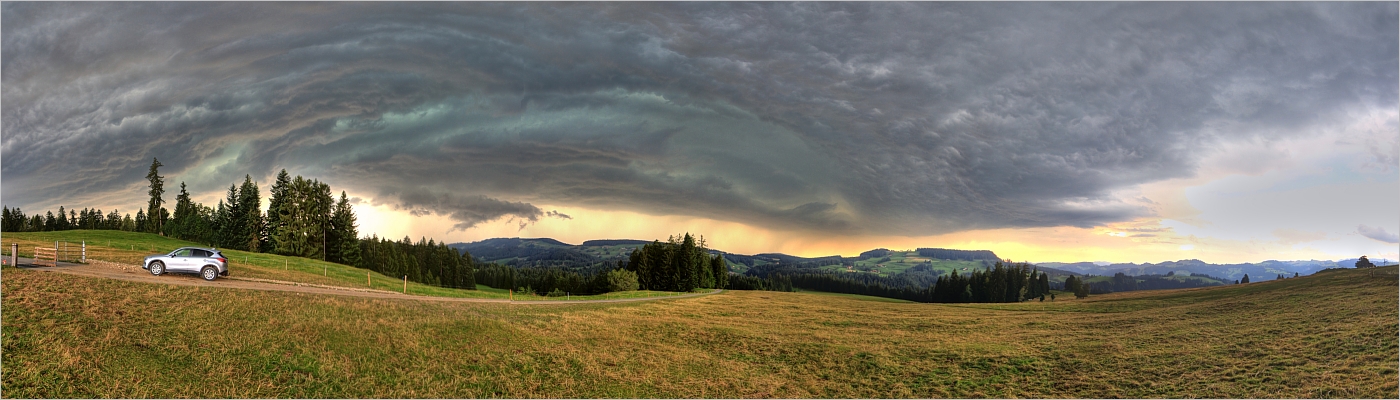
(621, 280)
(555, 293)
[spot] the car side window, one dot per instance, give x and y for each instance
(201, 254)
(182, 253)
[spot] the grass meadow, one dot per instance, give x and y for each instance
(1329, 335)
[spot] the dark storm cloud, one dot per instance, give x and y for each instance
(854, 117)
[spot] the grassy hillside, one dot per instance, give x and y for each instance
(1329, 335)
(900, 261)
(132, 248)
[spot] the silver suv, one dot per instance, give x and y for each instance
(208, 263)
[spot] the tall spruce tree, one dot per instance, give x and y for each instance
(346, 248)
(157, 189)
(250, 215)
(275, 212)
(182, 221)
(230, 229)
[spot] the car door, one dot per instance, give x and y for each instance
(200, 259)
(182, 260)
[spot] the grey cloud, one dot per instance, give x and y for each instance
(1377, 233)
(907, 118)
(465, 211)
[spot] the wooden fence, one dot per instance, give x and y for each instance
(46, 255)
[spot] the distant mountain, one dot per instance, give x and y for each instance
(780, 257)
(1229, 272)
(605, 253)
(877, 253)
(504, 242)
(615, 242)
(540, 252)
(948, 254)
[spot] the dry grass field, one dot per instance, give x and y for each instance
(1329, 335)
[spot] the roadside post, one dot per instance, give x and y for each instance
(405, 284)
(85, 251)
(14, 254)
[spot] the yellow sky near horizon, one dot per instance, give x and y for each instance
(1064, 244)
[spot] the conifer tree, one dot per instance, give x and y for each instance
(153, 206)
(347, 248)
(140, 220)
(1081, 291)
(249, 217)
(182, 220)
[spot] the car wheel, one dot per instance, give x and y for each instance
(209, 272)
(157, 268)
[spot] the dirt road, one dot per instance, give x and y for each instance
(136, 274)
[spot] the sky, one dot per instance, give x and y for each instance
(1122, 132)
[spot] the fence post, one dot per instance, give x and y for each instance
(405, 284)
(55, 253)
(367, 282)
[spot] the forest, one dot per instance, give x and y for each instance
(304, 219)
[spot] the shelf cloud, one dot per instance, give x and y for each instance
(908, 118)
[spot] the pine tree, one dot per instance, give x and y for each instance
(721, 271)
(251, 233)
(182, 221)
(140, 220)
(277, 197)
(1245, 279)
(1082, 291)
(347, 248)
(230, 229)
(153, 206)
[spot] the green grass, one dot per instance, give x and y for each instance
(132, 248)
(1329, 335)
(901, 261)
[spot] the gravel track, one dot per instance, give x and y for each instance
(133, 273)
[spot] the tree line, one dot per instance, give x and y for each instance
(426, 261)
(680, 264)
(15, 220)
(1001, 282)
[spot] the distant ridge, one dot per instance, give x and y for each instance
(950, 254)
(512, 241)
(615, 242)
(795, 259)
